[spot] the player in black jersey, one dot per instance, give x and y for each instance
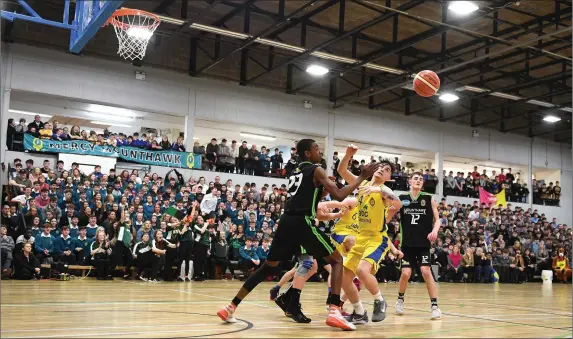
(419, 225)
(296, 229)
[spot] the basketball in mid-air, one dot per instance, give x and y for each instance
(426, 83)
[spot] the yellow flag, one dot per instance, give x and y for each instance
(501, 199)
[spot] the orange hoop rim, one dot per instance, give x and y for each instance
(129, 11)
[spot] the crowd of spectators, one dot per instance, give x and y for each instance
(243, 159)
(155, 224)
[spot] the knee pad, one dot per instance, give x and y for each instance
(305, 265)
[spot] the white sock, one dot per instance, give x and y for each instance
(378, 296)
(358, 308)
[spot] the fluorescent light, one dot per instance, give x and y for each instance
(449, 97)
(280, 45)
(257, 136)
(505, 96)
(541, 103)
(317, 70)
(195, 138)
(217, 30)
(139, 33)
(462, 7)
(109, 117)
(329, 56)
(472, 89)
(384, 68)
(567, 109)
(95, 122)
(110, 110)
(17, 111)
(166, 19)
(551, 118)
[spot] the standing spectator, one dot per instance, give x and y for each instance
(242, 158)
(450, 184)
(509, 176)
(335, 163)
(10, 132)
(26, 265)
(200, 151)
(265, 162)
(178, 146)
(223, 153)
(233, 158)
(75, 133)
(202, 244)
(21, 127)
(501, 177)
(37, 124)
(211, 154)
(277, 162)
(165, 144)
(7, 248)
(252, 161)
(159, 247)
(220, 250)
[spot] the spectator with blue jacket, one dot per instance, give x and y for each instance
(248, 257)
(81, 246)
(263, 250)
(63, 247)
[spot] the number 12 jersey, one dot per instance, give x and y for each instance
(416, 220)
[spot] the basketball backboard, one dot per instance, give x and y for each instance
(89, 17)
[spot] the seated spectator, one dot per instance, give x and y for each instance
(26, 265)
(263, 250)
(26, 238)
(249, 259)
(468, 265)
(100, 252)
(454, 272)
(63, 247)
(561, 266)
(6, 247)
(530, 264)
(82, 247)
(33, 131)
(501, 264)
(44, 245)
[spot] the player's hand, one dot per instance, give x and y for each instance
(367, 190)
(433, 236)
(343, 210)
(369, 170)
(351, 150)
(399, 254)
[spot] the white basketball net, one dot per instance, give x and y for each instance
(133, 32)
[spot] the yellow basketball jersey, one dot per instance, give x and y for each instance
(372, 213)
(348, 223)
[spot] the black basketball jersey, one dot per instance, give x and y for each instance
(303, 195)
(416, 220)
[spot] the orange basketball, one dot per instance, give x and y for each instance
(426, 83)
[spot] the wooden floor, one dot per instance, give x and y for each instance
(90, 308)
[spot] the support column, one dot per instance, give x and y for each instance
(329, 143)
(190, 131)
(439, 160)
(529, 178)
(5, 88)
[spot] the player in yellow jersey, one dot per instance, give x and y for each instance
(345, 230)
(376, 203)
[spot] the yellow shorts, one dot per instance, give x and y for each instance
(338, 242)
(371, 248)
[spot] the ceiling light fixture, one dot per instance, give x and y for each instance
(505, 96)
(567, 109)
(449, 97)
(96, 122)
(462, 7)
(551, 118)
(472, 89)
(123, 112)
(258, 136)
(103, 116)
(17, 111)
(317, 70)
(540, 103)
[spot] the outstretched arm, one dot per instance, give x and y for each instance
(391, 201)
(341, 193)
(343, 166)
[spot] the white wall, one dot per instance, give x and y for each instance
(548, 175)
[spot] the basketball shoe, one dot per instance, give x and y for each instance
(226, 314)
(335, 319)
(436, 313)
(379, 312)
(400, 307)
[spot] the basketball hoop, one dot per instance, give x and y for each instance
(133, 29)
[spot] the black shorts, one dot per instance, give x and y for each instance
(296, 231)
(415, 256)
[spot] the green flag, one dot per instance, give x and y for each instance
(124, 235)
(174, 212)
